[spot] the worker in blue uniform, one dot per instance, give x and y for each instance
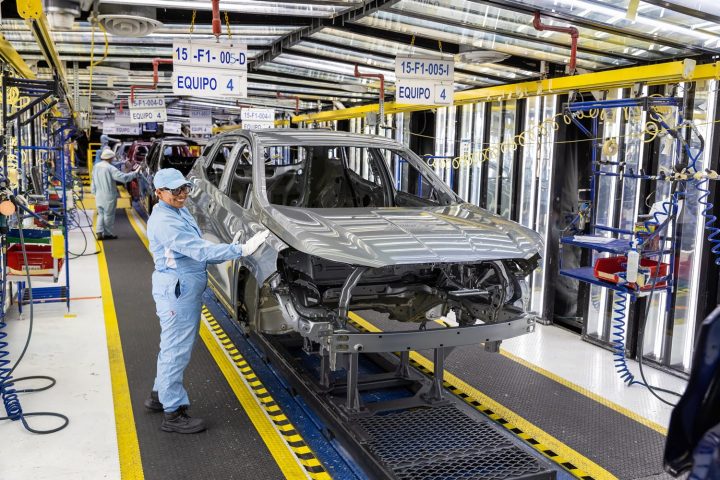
(105, 190)
(181, 256)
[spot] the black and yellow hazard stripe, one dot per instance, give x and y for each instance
(292, 437)
(286, 445)
(555, 454)
(85, 179)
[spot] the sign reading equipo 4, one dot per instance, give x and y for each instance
(172, 127)
(209, 69)
(253, 125)
(424, 81)
(200, 129)
(148, 109)
(112, 128)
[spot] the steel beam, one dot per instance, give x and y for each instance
(669, 72)
(11, 57)
(317, 24)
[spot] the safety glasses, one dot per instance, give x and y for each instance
(177, 191)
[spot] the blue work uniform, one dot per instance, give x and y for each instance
(103, 187)
(178, 282)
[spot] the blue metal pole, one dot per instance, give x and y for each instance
(65, 228)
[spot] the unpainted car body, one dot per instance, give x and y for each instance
(174, 152)
(134, 160)
(362, 223)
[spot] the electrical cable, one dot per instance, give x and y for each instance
(89, 222)
(9, 394)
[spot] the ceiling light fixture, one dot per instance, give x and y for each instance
(475, 55)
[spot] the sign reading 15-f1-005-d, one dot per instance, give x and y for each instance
(424, 81)
(206, 68)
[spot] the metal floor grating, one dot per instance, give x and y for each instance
(445, 443)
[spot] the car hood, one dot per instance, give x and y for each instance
(378, 237)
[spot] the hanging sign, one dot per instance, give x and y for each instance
(112, 128)
(252, 125)
(200, 129)
(148, 109)
(201, 115)
(210, 54)
(207, 68)
(201, 121)
(172, 127)
(122, 118)
(424, 81)
(258, 114)
(208, 83)
(257, 118)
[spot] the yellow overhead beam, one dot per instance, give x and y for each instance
(32, 12)
(669, 72)
(10, 56)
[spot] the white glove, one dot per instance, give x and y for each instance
(249, 247)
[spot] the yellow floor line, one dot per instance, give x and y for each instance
(140, 230)
(280, 450)
(128, 446)
(587, 393)
(548, 443)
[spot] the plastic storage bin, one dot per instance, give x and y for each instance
(39, 260)
(609, 270)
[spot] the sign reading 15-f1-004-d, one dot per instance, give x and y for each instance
(147, 109)
(424, 81)
(206, 68)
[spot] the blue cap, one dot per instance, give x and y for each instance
(169, 178)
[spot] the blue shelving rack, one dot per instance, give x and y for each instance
(622, 239)
(46, 142)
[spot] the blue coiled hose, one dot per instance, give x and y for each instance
(704, 194)
(669, 210)
(618, 343)
(710, 219)
(700, 186)
(7, 392)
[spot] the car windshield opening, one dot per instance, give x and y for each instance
(322, 176)
(180, 157)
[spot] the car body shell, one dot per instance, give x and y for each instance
(371, 237)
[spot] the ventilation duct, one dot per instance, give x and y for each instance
(61, 14)
(128, 20)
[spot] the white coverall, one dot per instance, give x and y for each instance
(103, 187)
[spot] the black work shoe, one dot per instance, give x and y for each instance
(109, 237)
(180, 422)
(100, 236)
(153, 402)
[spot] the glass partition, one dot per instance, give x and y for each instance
(507, 153)
(493, 156)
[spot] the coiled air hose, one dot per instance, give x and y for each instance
(8, 393)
